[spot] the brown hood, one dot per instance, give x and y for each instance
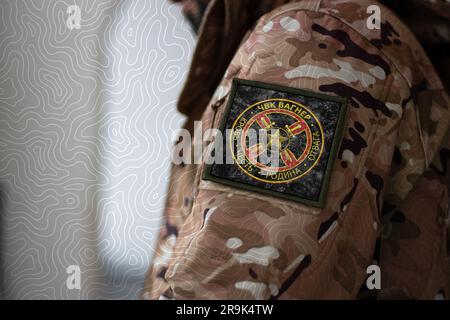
(193, 11)
(222, 27)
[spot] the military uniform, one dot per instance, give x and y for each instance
(379, 183)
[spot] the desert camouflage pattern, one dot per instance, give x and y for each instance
(389, 184)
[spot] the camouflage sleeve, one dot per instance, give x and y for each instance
(414, 255)
(239, 244)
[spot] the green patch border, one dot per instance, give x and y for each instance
(337, 138)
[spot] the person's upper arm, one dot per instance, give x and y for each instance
(241, 243)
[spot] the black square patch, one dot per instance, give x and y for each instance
(308, 127)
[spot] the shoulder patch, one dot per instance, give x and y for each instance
(305, 127)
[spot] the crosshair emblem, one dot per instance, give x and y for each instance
(282, 130)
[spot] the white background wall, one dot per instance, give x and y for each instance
(86, 118)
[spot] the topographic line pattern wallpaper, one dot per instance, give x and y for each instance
(87, 116)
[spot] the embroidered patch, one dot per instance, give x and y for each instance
(282, 141)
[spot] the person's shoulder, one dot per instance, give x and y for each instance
(360, 36)
(367, 23)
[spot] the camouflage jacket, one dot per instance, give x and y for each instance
(388, 182)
